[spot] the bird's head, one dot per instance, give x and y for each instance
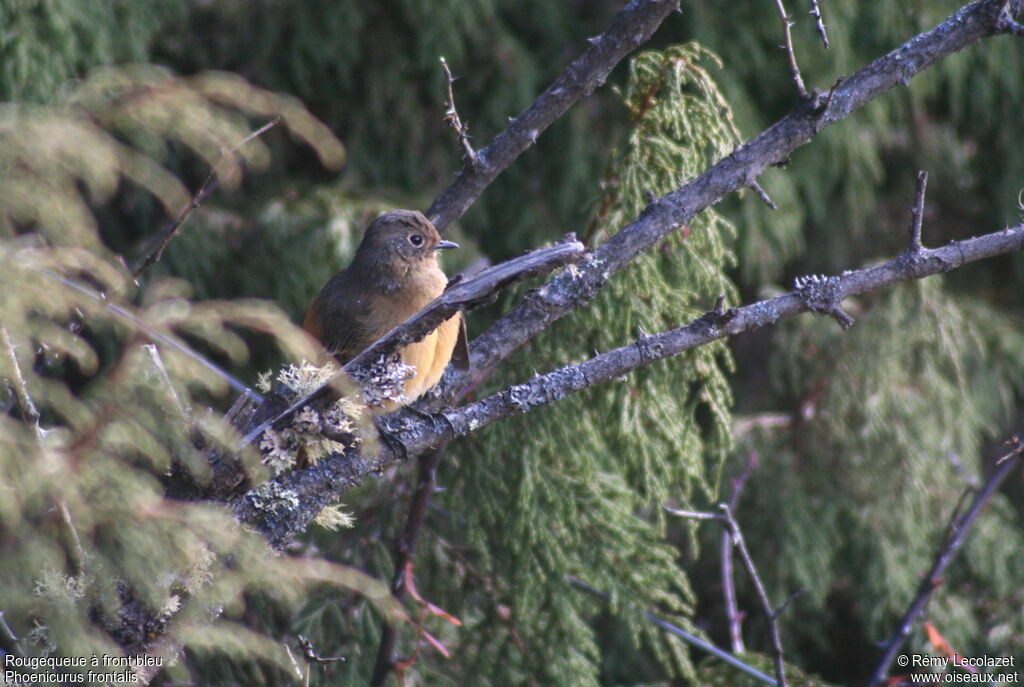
(401, 239)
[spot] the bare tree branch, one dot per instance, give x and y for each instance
(632, 27)
(732, 612)
(819, 22)
(794, 68)
(321, 485)
(405, 548)
(770, 613)
(451, 115)
(957, 532)
(566, 292)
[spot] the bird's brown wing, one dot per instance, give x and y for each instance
(339, 322)
(460, 354)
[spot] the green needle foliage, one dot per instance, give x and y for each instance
(96, 561)
(852, 500)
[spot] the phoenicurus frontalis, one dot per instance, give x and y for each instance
(393, 275)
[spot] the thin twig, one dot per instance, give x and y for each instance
(732, 612)
(819, 22)
(311, 654)
(31, 415)
(769, 611)
(693, 514)
(917, 215)
(451, 115)
(687, 637)
(14, 644)
(630, 29)
(763, 195)
(794, 68)
(947, 552)
(207, 187)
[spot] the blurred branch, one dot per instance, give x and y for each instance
(771, 613)
(29, 412)
(207, 187)
(632, 27)
(405, 548)
(135, 323)
(732, 612)
(322, 484)
(31, 415)
(956, 533)
(687, 637)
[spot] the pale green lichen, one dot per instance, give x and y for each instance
(334, 518)
(60, 587)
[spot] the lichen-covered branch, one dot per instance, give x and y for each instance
(739, 170)
(460, 295)
(322, 484)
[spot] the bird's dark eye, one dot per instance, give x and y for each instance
(416, 240)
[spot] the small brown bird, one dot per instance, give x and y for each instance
(393, 275)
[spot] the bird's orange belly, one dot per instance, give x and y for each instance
(429, 357)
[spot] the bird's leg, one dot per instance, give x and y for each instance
(387, 435)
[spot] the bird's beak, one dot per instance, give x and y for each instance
(442, 245)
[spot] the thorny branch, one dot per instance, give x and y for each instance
(794, 68)
(664, 215)
(451, 115)
(947, 552)
(819, 22)
(631, 28)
